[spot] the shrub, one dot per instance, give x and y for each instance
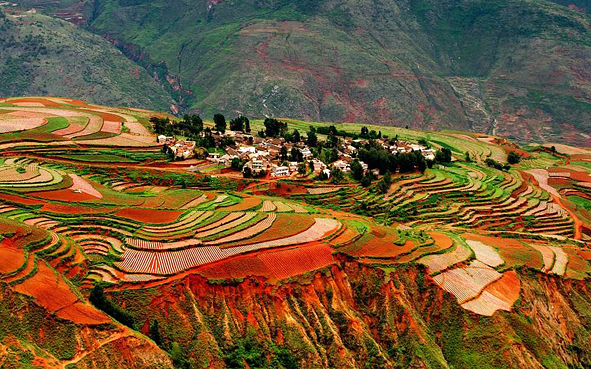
(513, 157)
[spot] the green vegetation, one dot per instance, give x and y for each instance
(100, 301)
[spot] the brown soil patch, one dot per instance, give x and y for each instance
(149, 215)
(507, 288)
(10, 257)
(44, 102)
(285, 225)
(512, 251)
(74, 209)
(20, 200)
(51, 291)
(65, 195)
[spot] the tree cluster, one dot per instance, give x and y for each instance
(100, 301)
(191, 125)
(274, 128)
(443, 155)
(241, 124)
(376, 157)
(495, 164)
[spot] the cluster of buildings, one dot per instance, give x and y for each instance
(264, 155)
(180, 149)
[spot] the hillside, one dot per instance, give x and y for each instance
(42, 55)
(114, 255)
(513, 68)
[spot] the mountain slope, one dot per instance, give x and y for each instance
(47, 56)
(514, 68)
(508, 67)
(352, 316)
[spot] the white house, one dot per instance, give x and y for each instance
(342, 165)
(280, 171)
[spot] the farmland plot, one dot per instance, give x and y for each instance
(486, 253)
(560, 260)
(439, 262)
(467, 282)
(547, 255)
(246, 233)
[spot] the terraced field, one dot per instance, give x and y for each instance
(129, 219)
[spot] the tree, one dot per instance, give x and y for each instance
(274, 128)
(239, 124)
(513, 157)
(246, 125)
(443, 155)
(294, 153)
(100, 301)
(302, 168)
(332, 130)
(383, 187)
(468, 158)
(197, 123)
(237, 164)
(364, 132)
(295, 137)
(247, 172)
(283, 153)
(337, 175)
(312, 139)
(356, 170)
(220, 123)
(421, 163)
(177, 356)
(154, 332)
(366, 180)
(311, 165)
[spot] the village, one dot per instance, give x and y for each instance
(278, 157)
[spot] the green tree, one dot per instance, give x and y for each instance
(220, 122)
(513, 157)
(302, 168)
(468, 158)
(239, 124)
(274, 128)
(295, 137)
(237, 164)
(312, 138)
(443, 155)
(154, 333)
(364, 132)
(356, 170)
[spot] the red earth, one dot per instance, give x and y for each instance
(149, 215)
(20, 200)
(65, 195)
(74, 209)
(51, 291)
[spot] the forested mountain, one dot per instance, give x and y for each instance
(509, 67)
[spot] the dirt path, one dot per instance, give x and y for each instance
(81, 355)
(578, 222)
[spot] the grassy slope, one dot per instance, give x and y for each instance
(43, 55)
